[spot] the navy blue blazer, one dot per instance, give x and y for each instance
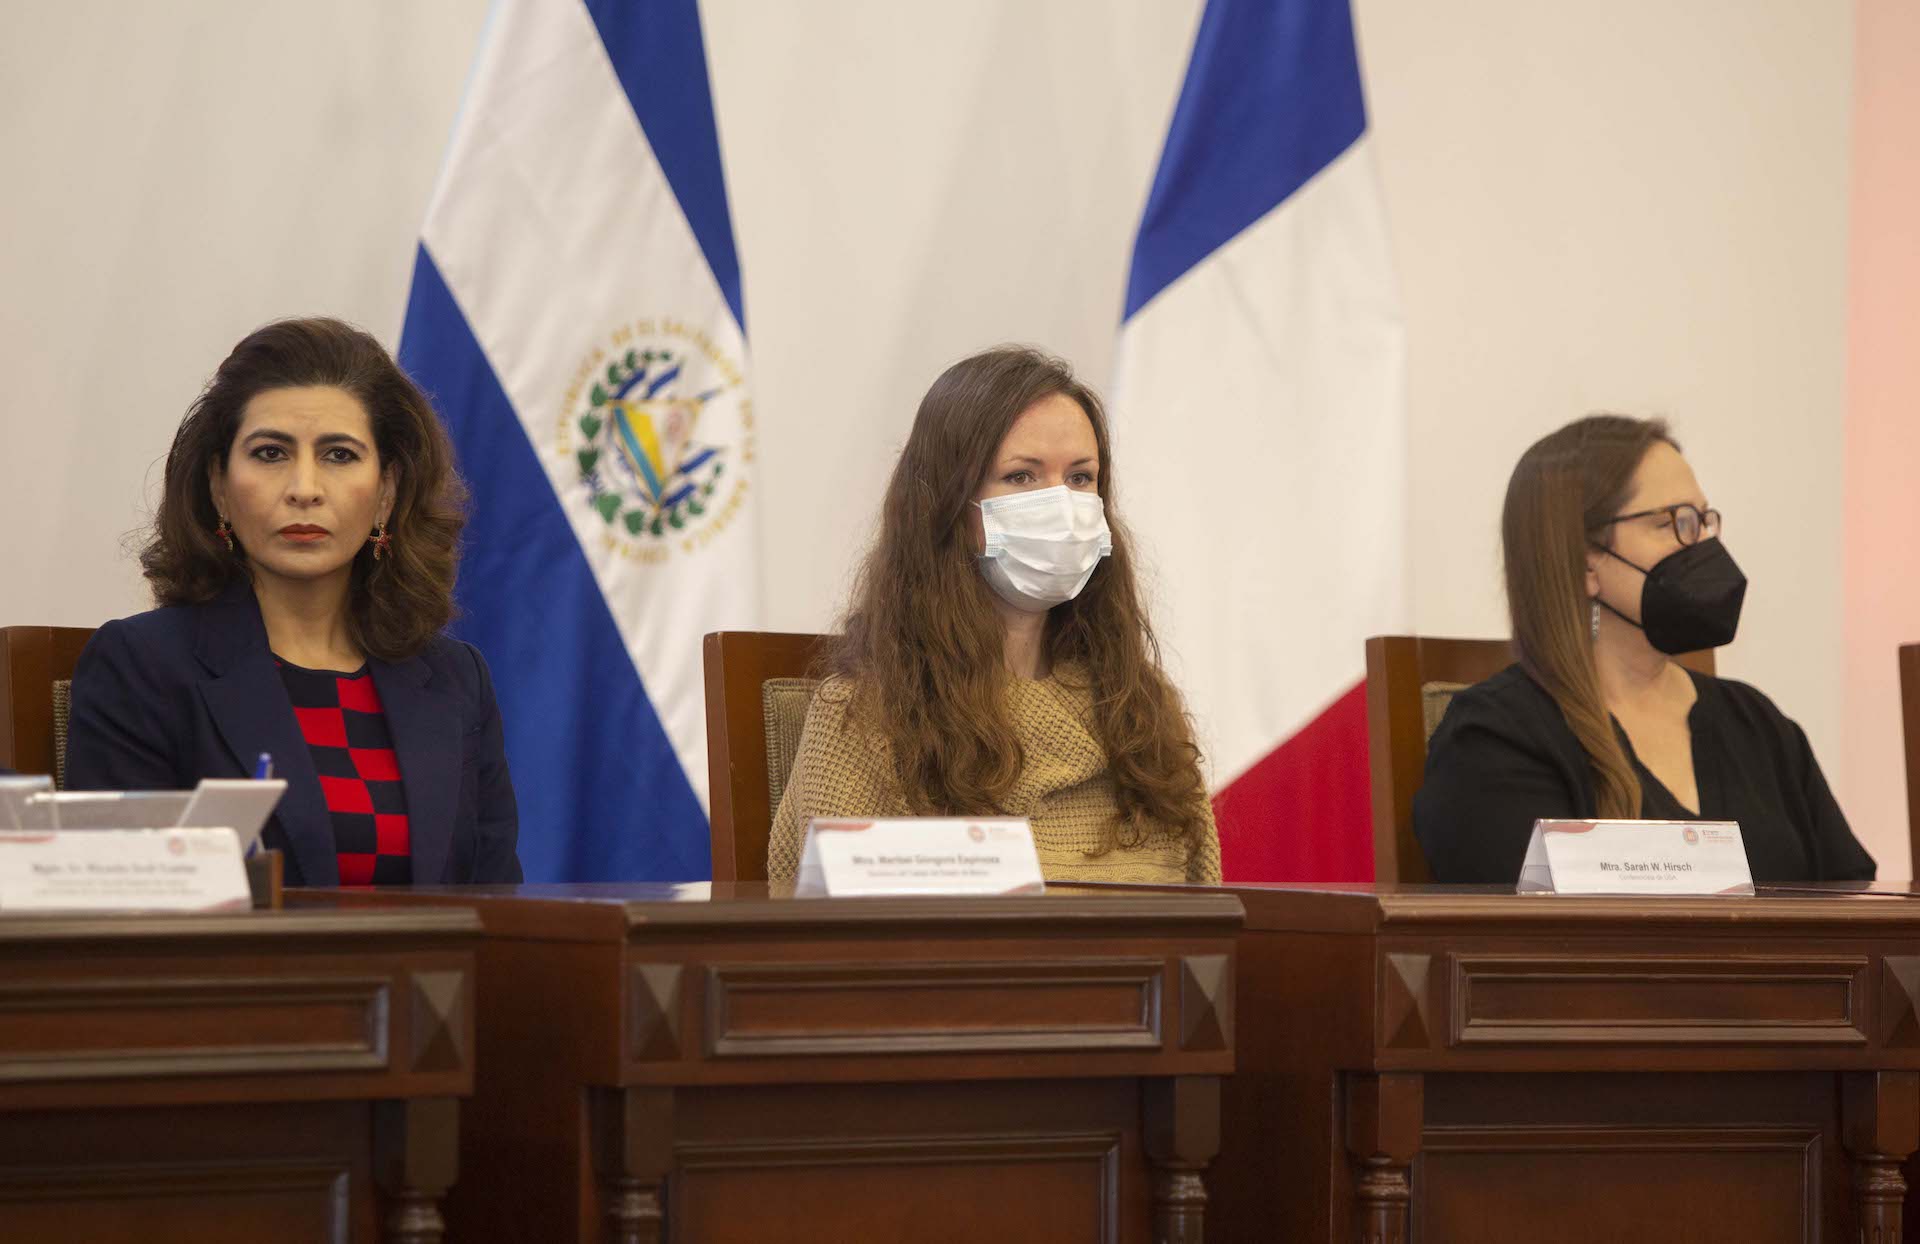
(167, 697)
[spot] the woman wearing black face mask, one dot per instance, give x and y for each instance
(1613, 566)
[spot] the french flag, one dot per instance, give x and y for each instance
(575, 314)
(1259, 408)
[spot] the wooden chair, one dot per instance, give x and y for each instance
(36, 671)
(1410, 682)
(1910, 728)
(757, 693)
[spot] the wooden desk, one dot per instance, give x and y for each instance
(1469, 1065)
(713, 1064)
(244, 1076)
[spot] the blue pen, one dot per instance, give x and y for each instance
(262, 771)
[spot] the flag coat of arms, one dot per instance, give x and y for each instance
(575, 315)
(1259, 415)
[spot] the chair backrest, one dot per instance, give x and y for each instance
(1410, 682)
(36, 670)
(757, 693)
(1910, 728)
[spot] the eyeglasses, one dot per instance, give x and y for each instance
(1689, 522)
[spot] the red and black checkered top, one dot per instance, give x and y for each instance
(346, 731)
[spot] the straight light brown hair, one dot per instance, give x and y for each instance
(395, 605)
(925, 648)
(1562, 492)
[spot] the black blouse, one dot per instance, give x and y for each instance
(1504, 756)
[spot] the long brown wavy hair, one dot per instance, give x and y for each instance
(395, 605)
(924, 647)
(1563, 490)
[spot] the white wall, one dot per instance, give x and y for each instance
(966, 174)
(174, 175)
(1640, 206)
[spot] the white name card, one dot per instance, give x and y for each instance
(1635, 857)
(919, 855)
(122, 870)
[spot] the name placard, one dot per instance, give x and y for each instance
(122, 870)
(1635, 857)
(919, 855)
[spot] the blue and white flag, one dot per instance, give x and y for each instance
(1259, 409)
(575, 315)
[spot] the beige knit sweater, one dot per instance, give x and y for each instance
(845, 768)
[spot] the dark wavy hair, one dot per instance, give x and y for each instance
(396, 605)
(924, 647)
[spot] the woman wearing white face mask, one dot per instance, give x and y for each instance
(995, 659)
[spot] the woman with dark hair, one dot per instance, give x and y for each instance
(995, 659)
(302, 561)
(1614, 566)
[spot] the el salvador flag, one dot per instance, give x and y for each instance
(575, 315)
(1260, 407)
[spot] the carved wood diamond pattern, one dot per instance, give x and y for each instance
(1405, 1002)
(1206, 1002)
(656, 1011)
(1900, 1001)
(439, 1021)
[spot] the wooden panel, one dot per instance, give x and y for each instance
(231, 1077)
(175, 1202)
(440, 1020)
(1397, 666)
(736, 664)
(761, 1010)
(1406, 1019)
(32, 659)
(726, 1062)
(1658, 1000)
(269, 933)
(93, 1029)
(1705, 1041)
(653, 1011)
(597, 911)
(1022, 1186)
(1578, 1185)
(1206, 1002)
(249, 1173)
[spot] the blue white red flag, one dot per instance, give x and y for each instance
(1259, 412)
(575, 315)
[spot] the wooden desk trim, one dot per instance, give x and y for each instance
(119, 1019)
(401, 980)
(1823, 984)
(1136, 978)
(25, 928)
(594, 914)
(636, 984)
(1278, 908)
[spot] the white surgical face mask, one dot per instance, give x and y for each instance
(1042, 546)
